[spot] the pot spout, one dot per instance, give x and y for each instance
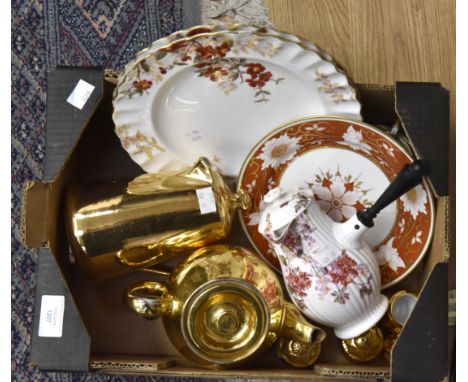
(296, 327)
(349, 234)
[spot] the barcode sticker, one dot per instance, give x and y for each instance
(206, 200)
(80, 94)
(51, 316)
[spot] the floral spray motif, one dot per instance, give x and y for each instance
(330, 280)
(339, 195)
(330, 274)
(210, 60)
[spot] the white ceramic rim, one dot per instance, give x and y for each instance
(238, 27)
(151, 131)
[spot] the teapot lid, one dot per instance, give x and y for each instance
(225, 321)
(281, 208)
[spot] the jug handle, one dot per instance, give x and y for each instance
(150, 300)
(157, 271)
(121, 257)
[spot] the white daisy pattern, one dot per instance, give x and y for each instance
(339, 195)
(353, 138)
(414, 201)
(388, 255)
(279, 150)
(336, 201)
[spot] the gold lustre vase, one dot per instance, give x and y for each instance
(120, 226)
(222, 306)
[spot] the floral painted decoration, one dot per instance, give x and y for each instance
(353, 139)
(278, 151)
(387, 255)
(339, 93)
(142, 143)
(341, 194)
(328, 280)
(246, 267)
(257, 67)
(414, 201)
(209, 59)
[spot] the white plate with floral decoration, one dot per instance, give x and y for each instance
(347, 164)
(223, 27)
(215, 95)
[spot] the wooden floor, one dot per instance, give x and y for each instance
(379, 41)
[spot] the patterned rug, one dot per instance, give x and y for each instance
(51, 33)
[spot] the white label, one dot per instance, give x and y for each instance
(80, 94)
(206, 200)
(51, 316)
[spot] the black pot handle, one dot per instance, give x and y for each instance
(410, 176)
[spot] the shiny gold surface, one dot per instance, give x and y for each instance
(365, 347)
(388, 344)
(297, 353)
(151, 299)
(226, 321)
(390, 322)
(221, 306)
(117, 227)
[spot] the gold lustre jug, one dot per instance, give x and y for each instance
(120, 226)
(222, 306)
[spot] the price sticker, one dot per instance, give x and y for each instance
(80, 94)
(206, 200)
(51, 316)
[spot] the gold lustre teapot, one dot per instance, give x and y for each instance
(223, 305)
(117, 227)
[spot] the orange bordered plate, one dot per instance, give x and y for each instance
(347, 164)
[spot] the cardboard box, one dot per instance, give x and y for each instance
(100, 333)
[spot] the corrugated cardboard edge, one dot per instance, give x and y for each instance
(117, 366)
(452, 307)
(237, 374)
(345, 372)
(112, 75)
(447, 234)
(375, 86)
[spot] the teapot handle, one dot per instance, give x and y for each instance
(151, 300)
(156, 256)
(410, 176)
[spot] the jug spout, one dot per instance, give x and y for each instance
(349, 234)
(199, 175)
(296, 327)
